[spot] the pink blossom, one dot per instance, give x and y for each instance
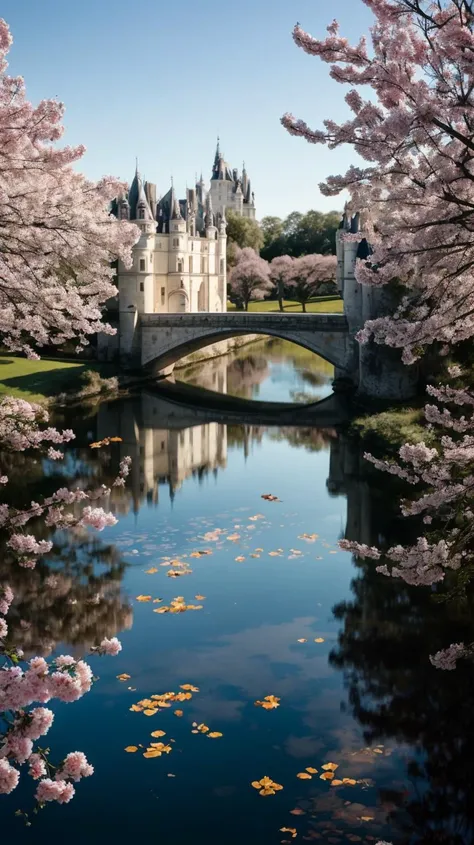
(40, 720)
(26, 544)
(110, 647)
(97, 518)
(447, 657)
(3, 629)
(6, 598)
(37, 766)
(75, 767)
(250, 278)
(9, 777)
(54, 790)
(17, 747)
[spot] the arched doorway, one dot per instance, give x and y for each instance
(178, 302)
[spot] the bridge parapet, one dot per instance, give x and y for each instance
(165, 338)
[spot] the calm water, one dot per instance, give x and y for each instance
(273, 581)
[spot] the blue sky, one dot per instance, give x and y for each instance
(160, 80)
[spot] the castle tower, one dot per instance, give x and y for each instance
(136, 284)
(222, 261)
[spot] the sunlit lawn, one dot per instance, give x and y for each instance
(317, 306)
(36, 381)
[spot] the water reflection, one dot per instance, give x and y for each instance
(270, 370)
(363, 695)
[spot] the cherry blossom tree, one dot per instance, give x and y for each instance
(250, 278)
(415, 134)
(57, 244)
(280, 273)
(57, 238)
(308, 273)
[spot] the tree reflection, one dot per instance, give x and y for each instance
(388, 632)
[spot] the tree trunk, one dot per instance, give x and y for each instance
(281, 294)
(246, 304)
(303, 305)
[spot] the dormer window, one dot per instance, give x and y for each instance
(141, 213)
(142, 265)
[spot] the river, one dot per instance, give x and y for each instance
(274, 608)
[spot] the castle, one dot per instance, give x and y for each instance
(179, 263)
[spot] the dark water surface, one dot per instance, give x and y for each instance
(365, 697)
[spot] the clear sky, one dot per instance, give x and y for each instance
(160, 80)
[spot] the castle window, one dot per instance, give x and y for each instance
(142, 265)
(175, 241)
(203, 265)
(222, 267)
(141, 213)
(142, 287)
(180, 266)
(190, 264)
(162, 296)
(192, 246)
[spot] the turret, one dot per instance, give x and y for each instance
(209, 220)
(177, 221)
(144, 218)
(222, 261)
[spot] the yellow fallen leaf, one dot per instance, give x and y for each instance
(215, 734)
(291, 830)
(131, 749)
(143, 598)
(311, 770)
(256, 784)
(158, 733)
(153, 753)
(123, 677)
(303, 776)
(200, 598)
(135, 708)
(349, 781)
(330, 767)
(327, 775)
(267, 791)
(297, 812)
(178, 713)
(367, 818)
(151, 571)
(319, 640)
(233, 537)
(377, 751)
(239, 559)
(303, 641)
(157, 601)
(336, 782)
(189, 686)
(270, 702)
(149, 712)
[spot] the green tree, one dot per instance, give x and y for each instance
(241, 232)
(303, 234)
(272, 229)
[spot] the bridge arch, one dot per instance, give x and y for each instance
(167, 338)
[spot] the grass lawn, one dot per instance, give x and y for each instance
(316, 306)
(36, 381)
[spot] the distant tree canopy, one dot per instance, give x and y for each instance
(242, 232)
(299, 234)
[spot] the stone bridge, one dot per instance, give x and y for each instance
(165, 338)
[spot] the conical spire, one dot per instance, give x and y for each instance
(143, 210)
(175, 210)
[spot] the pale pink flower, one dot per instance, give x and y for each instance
(97, 518)
(75, 767)
(41, 721)
(110, 647)
(17, 747)
(37, 766)
(9, 777)
(3, 629)
(54, 790)
(6, 598)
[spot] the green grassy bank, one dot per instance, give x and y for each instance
(41, 381)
